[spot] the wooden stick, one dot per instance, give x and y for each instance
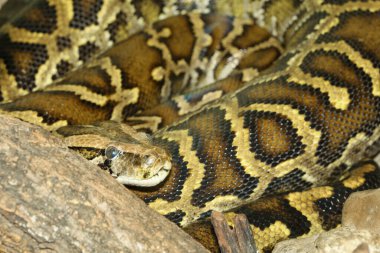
(244, 234)
(237, 240)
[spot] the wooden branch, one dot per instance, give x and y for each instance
(236, 240)
(53, 200)
(244, 234)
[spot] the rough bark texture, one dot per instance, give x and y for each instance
(52, 200)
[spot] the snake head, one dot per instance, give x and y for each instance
(128, 155)
(136, 165)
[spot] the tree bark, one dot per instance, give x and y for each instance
(53, 200)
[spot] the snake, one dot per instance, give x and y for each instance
(269, 108)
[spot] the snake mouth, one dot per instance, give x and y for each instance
(130, 158)
(154, 180)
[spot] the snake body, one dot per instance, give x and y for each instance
(295, 214)
(243, 130)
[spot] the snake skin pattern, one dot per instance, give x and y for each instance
(245, 128)
(296, 214)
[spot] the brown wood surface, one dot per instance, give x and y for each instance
(52, 200)
(239, 239)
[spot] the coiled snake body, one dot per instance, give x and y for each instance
(234, 126)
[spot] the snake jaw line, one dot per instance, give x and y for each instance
(129, 156)
(156, 179)
(142, 168)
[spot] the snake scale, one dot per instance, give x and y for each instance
(233, 128)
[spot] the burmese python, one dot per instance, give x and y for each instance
(306, 119)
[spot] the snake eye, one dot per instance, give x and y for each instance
(111, 152)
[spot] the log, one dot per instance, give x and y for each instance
(53, 200)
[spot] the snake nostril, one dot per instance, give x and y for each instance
(146, 175)
(148, 161)
(107, 164)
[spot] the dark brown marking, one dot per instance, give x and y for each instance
(63, 42)
(41, 18)
(176, 216)
(343, 73)
(22, 60)
(169, 111)
(218, 27)
(181, 41)
(87, 51)
(294, 38)
(95, 79)
(88, 153)
(272, 137)
(330, 208)
(136, 71)
(148, 9)
(62, 68)
(358, 28)
(60, 105)
(337, 126)
(212, 141)
(203, 232)
(264, 212)
(291, 181)
(85, 13)
(118, 25)
(252, 36)
(260, 59)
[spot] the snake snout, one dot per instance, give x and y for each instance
(143, 170)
